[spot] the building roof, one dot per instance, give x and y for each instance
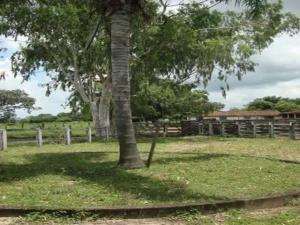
(242, 113)
(292, 112)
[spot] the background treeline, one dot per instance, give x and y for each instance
(275, 103)
(61, 117)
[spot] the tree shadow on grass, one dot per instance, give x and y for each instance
(97, 168)
(186, 157)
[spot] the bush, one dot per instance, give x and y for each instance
(64, 119)
(42, 118)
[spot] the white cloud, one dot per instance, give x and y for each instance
(239, 97)
(52, 104)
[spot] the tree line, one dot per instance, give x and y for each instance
(275, 103)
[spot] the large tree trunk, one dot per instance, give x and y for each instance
(104, 109)
(96, 118)
(101, 110)
(120, 31)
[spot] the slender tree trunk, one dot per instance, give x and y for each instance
(120, 31)
(100, 112)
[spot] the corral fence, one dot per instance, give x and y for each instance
(67, 135)
(244, 128)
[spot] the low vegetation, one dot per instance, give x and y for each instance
(184, 170)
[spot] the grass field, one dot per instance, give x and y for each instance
(184, 170)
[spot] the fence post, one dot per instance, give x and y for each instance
(210, 129)
(39, 137)
(3, 139)
(68, 136)
(292, 131)
(200, 131)
(254, 129)
(165, 130)
(89, 134)
(271, 130)
(223, 129)
(239, 133)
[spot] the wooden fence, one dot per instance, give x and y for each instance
(164, 129)
(40, 136)
(146, 129)
(244, 128)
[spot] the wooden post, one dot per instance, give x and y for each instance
(165, 130)
(210, 129)
(292, 131)
(3, 139)
(89, 134)
(68, 136)
(39, 137)
(254, 129)
(271, 130)
(153, 144)
(200, 129)
(222, 129)
(239, 133)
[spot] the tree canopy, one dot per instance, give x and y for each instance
(275, 103)
(11, 100)
(193, 42)
(167, 99)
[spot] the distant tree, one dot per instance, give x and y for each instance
(286, 106)
(64, 117)
(274, 103)
(167, 99)
(260, 104)
(41, 118)
(11, 100)
(272, 99)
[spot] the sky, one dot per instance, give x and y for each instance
(277, 73)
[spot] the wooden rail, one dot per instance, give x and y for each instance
(249, 129)
(244, 128)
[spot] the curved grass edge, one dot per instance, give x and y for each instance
(272, 201)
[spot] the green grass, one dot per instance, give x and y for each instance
(183, 170)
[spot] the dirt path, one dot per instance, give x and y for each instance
(136, 222)
(6, 220)
(156, 221)
(219, 219)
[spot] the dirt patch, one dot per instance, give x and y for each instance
(271, 212)
(7, 220)
(135, 222)
(150, 221)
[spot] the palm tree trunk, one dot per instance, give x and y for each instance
(120, 31)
